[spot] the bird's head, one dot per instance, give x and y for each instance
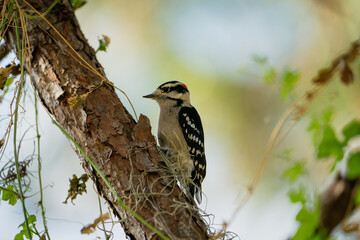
(172, 92)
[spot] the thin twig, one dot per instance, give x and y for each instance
(45, 13)
(102, 220)
(18, 97)
(39, 169)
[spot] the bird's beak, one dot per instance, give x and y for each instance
(151, 95)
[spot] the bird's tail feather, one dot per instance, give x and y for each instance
(195, 192)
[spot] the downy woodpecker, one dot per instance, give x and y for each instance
(180, 134)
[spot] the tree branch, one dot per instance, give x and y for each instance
(124, 151)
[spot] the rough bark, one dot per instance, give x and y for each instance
(125, 151)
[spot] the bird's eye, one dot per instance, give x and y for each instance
(165, 89)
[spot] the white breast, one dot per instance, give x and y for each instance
(171, 137)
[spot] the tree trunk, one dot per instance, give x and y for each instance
(125, 151)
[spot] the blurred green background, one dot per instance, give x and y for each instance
(222, 51)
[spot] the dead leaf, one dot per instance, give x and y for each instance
(91, 227)
(4, 75)
(2, 141)
(323, 76)
(75, 102)
(77, 186)
(107, 40)
(346, 75)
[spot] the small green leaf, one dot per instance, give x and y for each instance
(303, 215)
(327, 114)
(26, 233)
(354, 166)
(330, 145)
(19, 236)
(351, 130)
(76, 4)
(293, 173)
(103, 43)
(9, 81)
(289, 81)
(298, 195)
(9, 195)
(309, 220)
(315, 127)
(31, 219)
(269, 75)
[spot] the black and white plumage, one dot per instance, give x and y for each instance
(190, 122)
(180, 131)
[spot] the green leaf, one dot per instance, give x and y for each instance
(103, 43)
(315, 127)
(298, 195)
(19, 236)
(289, 81)
(309, 220)
(327, 114)
(351, 130)
(76, 4)
(9, 195)
(293, 173)
(303, 215)
(307, 228)
(269, 75)
(354, 166)
(9, 81)
(330, 145)
(24, 232)
(31, 219)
